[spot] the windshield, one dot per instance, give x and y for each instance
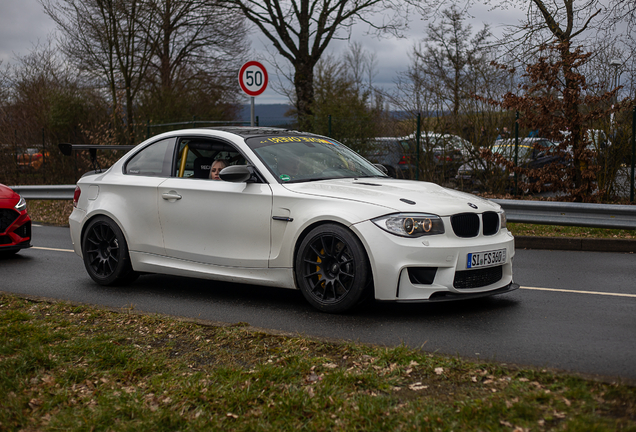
(508, 151)
(526, 149)
(298, 158)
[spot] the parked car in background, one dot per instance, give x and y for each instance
(15, 223)
(447, 152)
(531, 153)
(291, 210)
(597, 142)
(597, 139)
(32, 158)
(395, 154)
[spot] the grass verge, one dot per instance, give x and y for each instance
(50, 212)
(68, 367)
(519, 229)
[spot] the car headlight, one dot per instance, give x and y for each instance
(21, 205)
(502, 220)
(411, 224)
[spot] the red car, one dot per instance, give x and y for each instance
(32, 158)
(15, 223)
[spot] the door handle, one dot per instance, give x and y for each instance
(172, 195)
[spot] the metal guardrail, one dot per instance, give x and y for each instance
(533, 212)
(570, 214)
(53, 192)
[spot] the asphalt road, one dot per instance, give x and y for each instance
(589, 327)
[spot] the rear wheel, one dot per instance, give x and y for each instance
(105, 253)
(332, 269)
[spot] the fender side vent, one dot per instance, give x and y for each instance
(422, 275)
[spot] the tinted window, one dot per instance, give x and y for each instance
(406, 146)
(201, 153)
(154, 161)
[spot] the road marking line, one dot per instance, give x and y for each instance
(523, 287)
(580, 292)
(53, 249)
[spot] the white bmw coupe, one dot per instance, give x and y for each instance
(291, 210)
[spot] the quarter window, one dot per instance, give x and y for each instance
(153, 161)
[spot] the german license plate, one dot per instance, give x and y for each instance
(486, 259)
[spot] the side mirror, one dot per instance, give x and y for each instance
(382, 168)
(236, 173)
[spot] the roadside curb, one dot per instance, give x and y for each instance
(575, 244)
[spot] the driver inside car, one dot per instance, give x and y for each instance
(216, 168)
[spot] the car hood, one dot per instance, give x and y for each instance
(397, 195)
(7, 193)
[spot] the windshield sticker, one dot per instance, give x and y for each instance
(284, 177)
(299, 139)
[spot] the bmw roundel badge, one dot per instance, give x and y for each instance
(472, 205)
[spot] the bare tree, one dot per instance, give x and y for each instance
(344, 94)
(450, 55)
(623, 11)
(301, 30)
(558, 97)
(190, 39)
(168, 58)
(42, 103)
(104, 39)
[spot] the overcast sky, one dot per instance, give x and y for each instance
(23, 24)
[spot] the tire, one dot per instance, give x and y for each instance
(332, 269)
(105, 253)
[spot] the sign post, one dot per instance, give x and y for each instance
(253, 81)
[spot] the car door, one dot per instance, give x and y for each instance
(132, 195)
(215, 222)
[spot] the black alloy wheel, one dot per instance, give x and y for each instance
(332, 269)
(105, 253)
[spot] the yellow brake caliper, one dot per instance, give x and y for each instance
(318, 268)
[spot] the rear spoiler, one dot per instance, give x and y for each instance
(67, 150)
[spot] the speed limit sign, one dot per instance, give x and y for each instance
(253, 78)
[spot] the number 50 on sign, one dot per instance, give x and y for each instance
(253, 78)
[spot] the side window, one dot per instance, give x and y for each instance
(196, 157)
(153, 161)
(406, 146)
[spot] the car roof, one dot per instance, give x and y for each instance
(386, 139)
(522, 141)
(253, 131)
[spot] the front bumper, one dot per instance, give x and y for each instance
(443, 296)
(392, 256)
(17, 235)
(16, 247)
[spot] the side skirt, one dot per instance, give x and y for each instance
(150, 263)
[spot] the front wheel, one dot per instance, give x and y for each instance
(332, 269)
(105, 253)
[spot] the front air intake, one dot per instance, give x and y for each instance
(422, 275)
(490, 221)
(7, 217)
(465, 225)
(24, 231)
(466, 279)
